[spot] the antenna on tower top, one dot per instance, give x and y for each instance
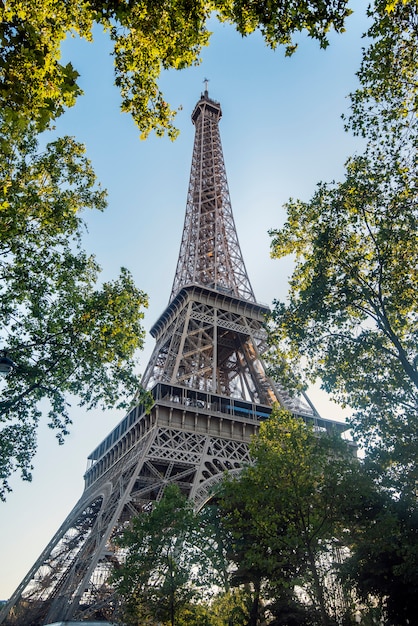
(206, 80)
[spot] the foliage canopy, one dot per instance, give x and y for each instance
(166, 562)
(148, 37)
(383, 559)
(287, 512)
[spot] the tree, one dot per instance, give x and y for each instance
(195, 615)
(352, 318)
(287, 511)
(383, 560)
(165, 562)
(148, 37)
(230, 608)
(386, 100)
(67, 336)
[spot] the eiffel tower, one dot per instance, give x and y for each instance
(210, 391)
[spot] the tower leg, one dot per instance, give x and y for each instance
(189, 447)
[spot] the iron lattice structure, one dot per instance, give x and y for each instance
(210, 254)
(210, 393)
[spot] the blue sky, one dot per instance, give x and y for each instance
(281, 132)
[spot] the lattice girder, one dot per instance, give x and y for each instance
(213, 342)
(210, 254)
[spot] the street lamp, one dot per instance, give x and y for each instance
(6, 364)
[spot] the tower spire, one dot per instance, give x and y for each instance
(206, 80)
(210, 253)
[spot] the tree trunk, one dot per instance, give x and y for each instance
(255, 605)
(319, 592)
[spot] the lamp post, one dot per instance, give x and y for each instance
(6, 364)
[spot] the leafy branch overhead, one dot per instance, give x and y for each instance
(148, 37)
